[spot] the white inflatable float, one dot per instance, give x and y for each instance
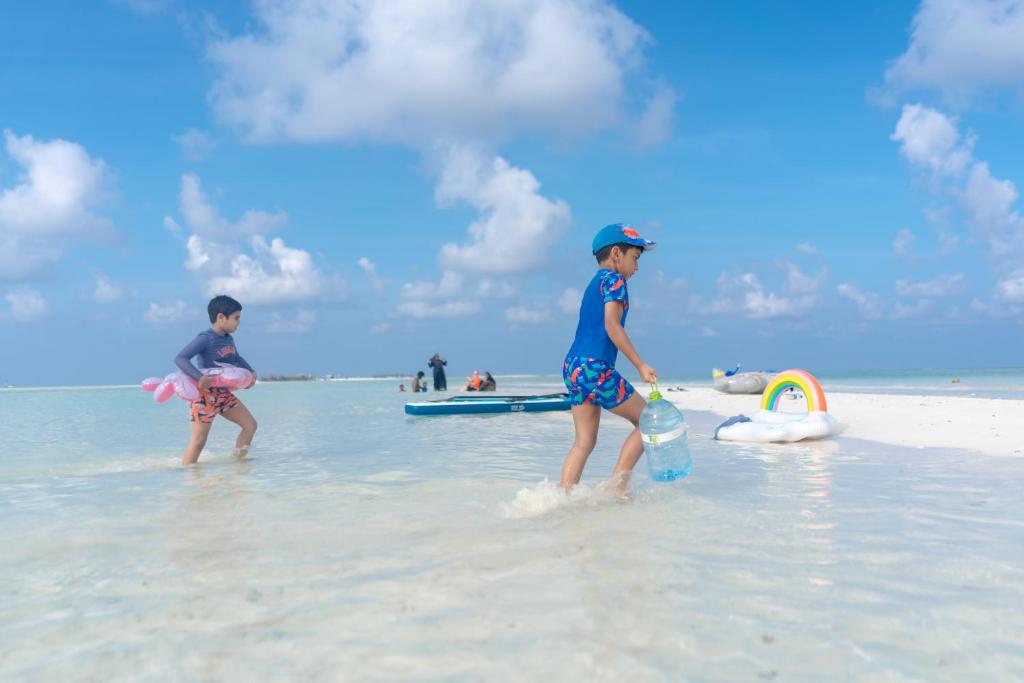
(770, 424)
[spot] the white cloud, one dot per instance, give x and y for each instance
(706, 331)
(963, 47)
(903, 243)
(943, 285)
(165, 314)
(744, 294)
(235, 258)
(452, 284)
(524, 315)
(805, 248)
(438, 309)
(25, 304)
(275, 273)
(930, 139)
(106, 291)
(518, 225)
(656, 121)
(413, 72)
(203, 218)
(380, 328)
(370, 268)
(799, 283)
(872, 307)
(196, 145)
(987, 202)
(1011, 288)
(569, 301)
(300, 323)
(52, 204)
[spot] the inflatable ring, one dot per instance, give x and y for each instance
(184, 387)
(770, 424)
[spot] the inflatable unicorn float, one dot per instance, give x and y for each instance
(772, 424)
(184, 387)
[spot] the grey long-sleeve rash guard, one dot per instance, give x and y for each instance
(214, 350)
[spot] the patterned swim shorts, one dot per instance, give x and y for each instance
(211, 403)
(595, 382)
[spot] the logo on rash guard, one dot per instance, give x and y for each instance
(225, 351)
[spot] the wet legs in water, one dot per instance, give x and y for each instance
(587, 419)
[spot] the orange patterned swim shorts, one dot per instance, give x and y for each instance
(211, 403)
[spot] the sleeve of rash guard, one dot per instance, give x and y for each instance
(243, 364)
(184, 358)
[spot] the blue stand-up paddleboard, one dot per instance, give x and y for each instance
(475, 405)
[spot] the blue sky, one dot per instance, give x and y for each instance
(832, 185)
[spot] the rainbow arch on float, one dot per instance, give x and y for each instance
(795, 379)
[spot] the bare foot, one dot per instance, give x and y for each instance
(618, 487)
(241, 452)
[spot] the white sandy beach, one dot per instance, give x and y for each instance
(988, 425)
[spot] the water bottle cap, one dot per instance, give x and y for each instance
(655, 395)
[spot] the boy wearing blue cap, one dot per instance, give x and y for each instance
(589, 368)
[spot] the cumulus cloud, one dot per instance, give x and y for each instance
(300, 323)
(25, 304)
(805, 248)
(52, 204)
(159, 315)
(963, 47)
(930, 139)
(372, 276)
(235, 258)
(439, 309)
(1011, 288)
(873, 307)
(447, 298)
(274, 273)
(195, 144)
(569, 301)
(903, 243)
(203, 217)
(987, 202)
(524, 315)
(517, 225)
(106, 291)
(941, 286)
(414, 72)
(745, 294)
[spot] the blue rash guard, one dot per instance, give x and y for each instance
(214, 350)
(592, 341)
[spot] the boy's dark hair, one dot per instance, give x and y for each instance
(222, 304)
(604, 252)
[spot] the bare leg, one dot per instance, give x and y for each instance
(632, 447)
(241, 416)
(586, 419)
(200, 430)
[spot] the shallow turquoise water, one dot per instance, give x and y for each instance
(361, 544)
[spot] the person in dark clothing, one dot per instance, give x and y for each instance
(436, 363)
(488, 383)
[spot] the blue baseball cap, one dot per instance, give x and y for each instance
(617, 233)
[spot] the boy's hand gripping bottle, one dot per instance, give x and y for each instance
(664, 437)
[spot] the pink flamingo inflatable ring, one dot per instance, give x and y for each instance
(184, 387)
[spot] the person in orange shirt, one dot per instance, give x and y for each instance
(473, 383)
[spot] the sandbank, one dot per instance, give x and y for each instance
(989, 425)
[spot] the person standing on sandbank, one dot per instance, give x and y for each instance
(436, 363)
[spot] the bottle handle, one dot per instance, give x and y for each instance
(655, 395)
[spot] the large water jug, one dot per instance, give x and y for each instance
(664, 436)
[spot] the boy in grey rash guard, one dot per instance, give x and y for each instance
(215, 347)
